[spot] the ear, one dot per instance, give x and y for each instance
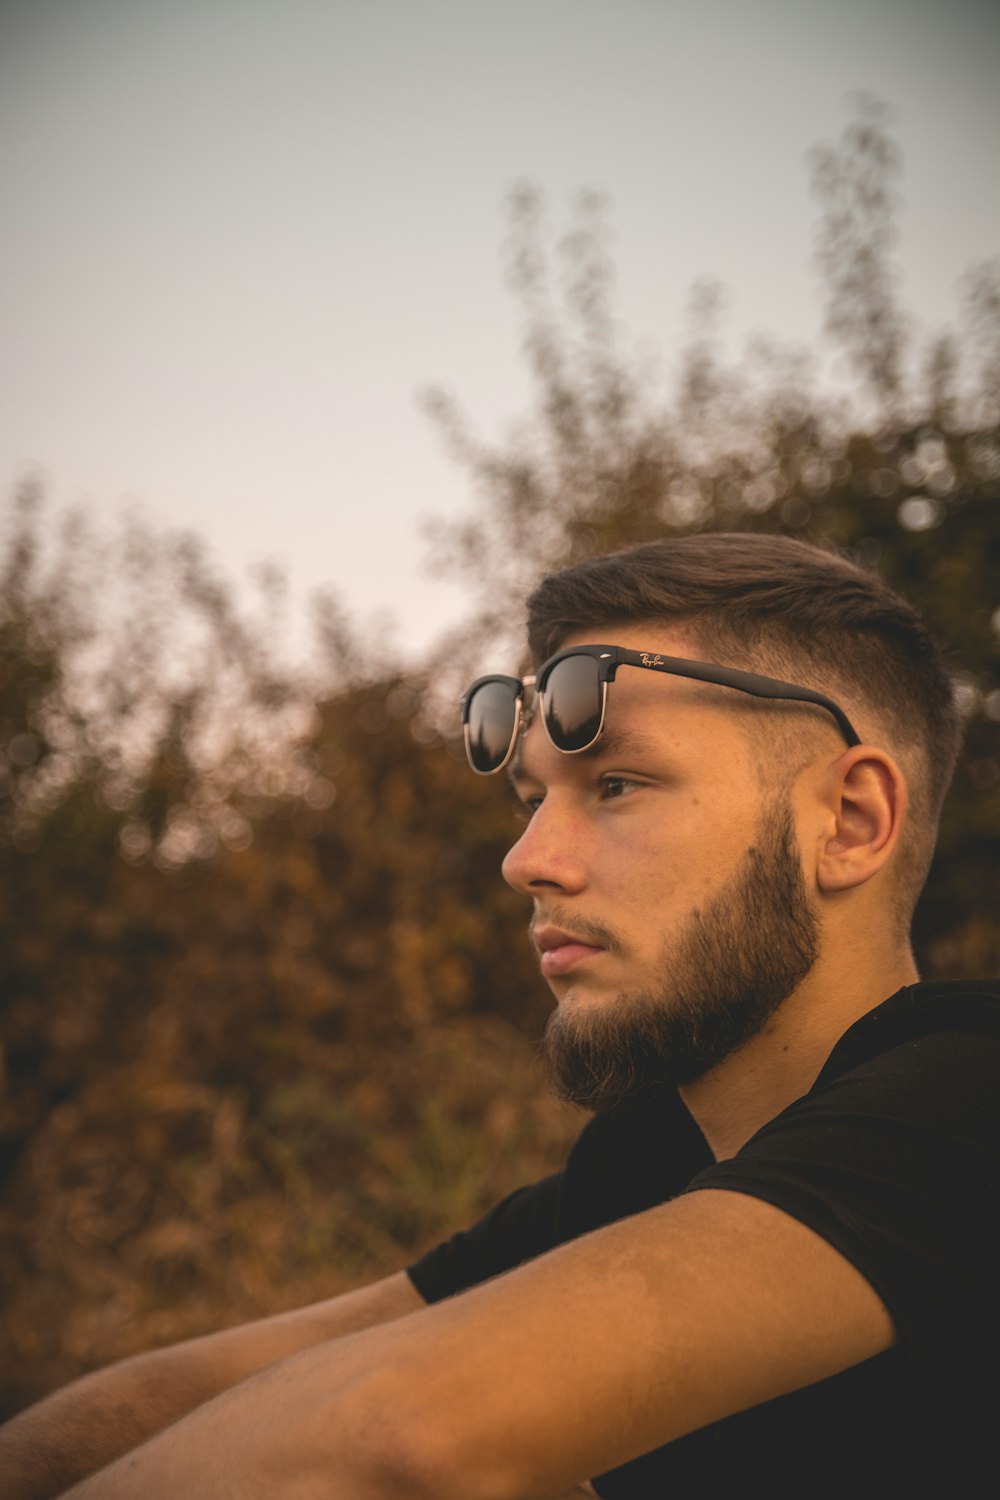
(866, 800)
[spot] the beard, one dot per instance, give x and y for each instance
(723, 979)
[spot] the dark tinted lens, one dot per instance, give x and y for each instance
(573, 702)
(492, 715)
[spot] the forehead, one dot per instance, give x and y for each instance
(653, 690)
(652, 712)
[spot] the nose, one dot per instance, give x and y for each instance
(549, 853)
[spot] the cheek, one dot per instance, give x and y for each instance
(649, 866)
(674, 860)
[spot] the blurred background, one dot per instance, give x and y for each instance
(326, 328)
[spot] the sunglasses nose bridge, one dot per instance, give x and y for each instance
(572, 713)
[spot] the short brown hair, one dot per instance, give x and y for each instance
(778, 605)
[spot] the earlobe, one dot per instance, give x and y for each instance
(868, 804)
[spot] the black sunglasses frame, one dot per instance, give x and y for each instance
(609, 659)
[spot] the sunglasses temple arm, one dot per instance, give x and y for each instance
(790, 693)
(744, 682)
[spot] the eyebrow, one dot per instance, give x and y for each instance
(612, 744)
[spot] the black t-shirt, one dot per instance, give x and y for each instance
(893, 1156)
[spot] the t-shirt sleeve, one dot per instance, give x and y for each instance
(896, 1164)
(617, 1167)
(521, 1226)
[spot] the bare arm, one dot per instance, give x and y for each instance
(595, 1353)
(88, 1424)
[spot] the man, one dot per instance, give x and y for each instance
(770, 1260)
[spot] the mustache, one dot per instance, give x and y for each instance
(587, 930)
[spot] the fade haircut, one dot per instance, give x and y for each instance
(785, 608)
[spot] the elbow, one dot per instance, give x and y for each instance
(381, 1441)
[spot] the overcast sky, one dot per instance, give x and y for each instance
(240, 235)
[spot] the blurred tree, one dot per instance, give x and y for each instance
(267, 1011)
(903, 475)
(857, 232)
(259, 989)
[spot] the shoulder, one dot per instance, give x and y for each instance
(927, 1009)
(921, 1068)
(930, 1053)
(928, 1006)
(893, 1155)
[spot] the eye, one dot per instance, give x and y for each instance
(613, 787)
(525, 807)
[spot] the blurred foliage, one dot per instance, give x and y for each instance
(261, 992)
(268, 1011)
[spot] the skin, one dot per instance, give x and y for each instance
(629, 1337)
(91, 1422)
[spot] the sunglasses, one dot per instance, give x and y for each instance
(572, 689)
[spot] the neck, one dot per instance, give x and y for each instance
(750, 1087)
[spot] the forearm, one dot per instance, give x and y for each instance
(327, 1424)
(293, 1430)
(90, 1423)
(96, 1420)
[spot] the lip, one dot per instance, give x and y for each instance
(561, 951)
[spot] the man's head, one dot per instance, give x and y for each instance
(775, 605)
(681, 866)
